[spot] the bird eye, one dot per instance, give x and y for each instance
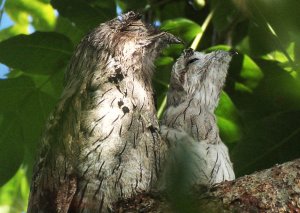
(192, 60)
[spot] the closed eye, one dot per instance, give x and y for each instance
(192, 60)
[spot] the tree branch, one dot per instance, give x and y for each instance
(272, 190)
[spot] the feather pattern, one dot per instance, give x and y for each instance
(189, 124)
(101, 142)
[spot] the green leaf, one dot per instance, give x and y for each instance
(230, 131)
(228, 119)
(12, 150)
(14, 194)
(161, 78)
(43, 17)
(13, 91)
(83, 15)
(183, 28)
(200, 3)
(164, 61)
(12, 31)
(45, 1)
(261, 40)
(271, 140)
(65, 26)
(218, 47)
(19, 17)
(24, 111)
(224, 14)
(277, 91)
(271, 115)
(171, 10)
(48, 84)
(250, 73)
(131, 4)
(20, 26)
(40, 52)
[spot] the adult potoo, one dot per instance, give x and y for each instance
(189, 124)
(101, 143)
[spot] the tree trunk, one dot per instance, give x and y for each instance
(276, 189)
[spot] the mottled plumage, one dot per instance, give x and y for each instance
(189, 124)
(101, 143)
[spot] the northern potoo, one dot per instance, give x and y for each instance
(189, 123)
(101, 142)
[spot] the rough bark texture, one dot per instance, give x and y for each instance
(272, 190)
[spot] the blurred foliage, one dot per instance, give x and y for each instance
(259, 110)
(14, 193)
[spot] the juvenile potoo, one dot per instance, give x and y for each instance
(101, 142)
(189, 123)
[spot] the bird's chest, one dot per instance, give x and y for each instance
(197, 121)
(117, 114)
(116, 138)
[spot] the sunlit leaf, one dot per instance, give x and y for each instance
(12, 31)
(218, 47)
(277, 91)
(19, 17)
(20, 26)
(14, 194)
(228, 119)
(250, 73)
(162, 61)
(285, 63)
(200, 3)
(42, 14)
(184, 28)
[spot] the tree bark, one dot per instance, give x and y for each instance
(276, 189)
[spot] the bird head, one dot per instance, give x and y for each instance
(200, 75)
(192, 68)
(123, 43)
(128, 33)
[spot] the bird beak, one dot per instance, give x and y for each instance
(167, 38)
(188, 52)
(171, 39)
(232, 52)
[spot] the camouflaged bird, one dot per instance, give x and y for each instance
(101, 143)
(189, 124)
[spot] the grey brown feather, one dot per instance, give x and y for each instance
(101, 143)
(189, 123)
